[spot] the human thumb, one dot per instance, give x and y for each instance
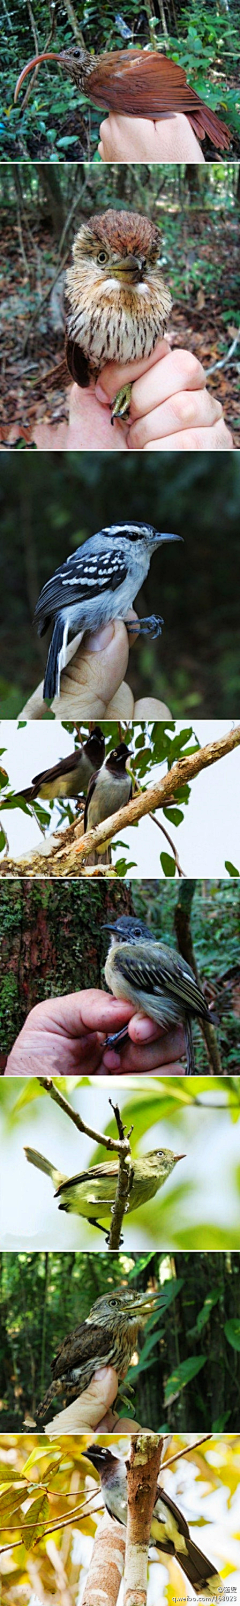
(85, 1413)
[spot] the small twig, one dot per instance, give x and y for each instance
(89, 1131)
(162, 828)
(171, 843)
(224, 360)
(124, 1181)
(188, 1447)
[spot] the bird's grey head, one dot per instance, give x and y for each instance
(139, 532)
(127, 929)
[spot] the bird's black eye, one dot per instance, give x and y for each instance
(102, 257)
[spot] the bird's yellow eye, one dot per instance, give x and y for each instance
(102, 257)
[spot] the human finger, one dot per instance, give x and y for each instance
(115, 375)
(186, 410)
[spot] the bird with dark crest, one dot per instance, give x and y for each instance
(136, 83)
(169, 1529)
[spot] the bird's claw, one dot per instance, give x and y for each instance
(121, 404)
(152, 626)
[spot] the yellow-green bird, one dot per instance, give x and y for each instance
(92, 1193)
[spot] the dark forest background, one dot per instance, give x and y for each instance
(57, 120)
(195, 665)
(52, 942)
(43, 205)
(188, 1375)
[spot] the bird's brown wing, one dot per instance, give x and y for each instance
(146, 84)
(80, 1345)
(78, 364)
(90, 1176)
(64, 767)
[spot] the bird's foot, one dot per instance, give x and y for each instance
(121, 404)
(116, 1037)
(152, 626)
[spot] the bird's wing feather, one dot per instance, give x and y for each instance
(96, 1172)
(151, 975)
(83, 579)
(76, 1347)
(64, 767)
(147, 84)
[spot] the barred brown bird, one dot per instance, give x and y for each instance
(117, 302)
(137, 82)
(107, 1337)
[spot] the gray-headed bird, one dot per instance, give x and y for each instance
(154, 978)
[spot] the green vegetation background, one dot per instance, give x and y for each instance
(195, 665)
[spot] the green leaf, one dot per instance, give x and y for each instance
(168, 864)
(2, 840)
(231, 868)
(175, 815)
(182, 1375)
(35, 1521)
(232, 1332)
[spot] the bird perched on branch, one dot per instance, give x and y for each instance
(91, 1193)
(72, 775)
(154, 978)
(98, 582)
(107, 1337)
(169, 1529)
(141, 83)
(117, 302)
(108, 790)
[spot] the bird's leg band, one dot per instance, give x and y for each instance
(151, 626)
(121, 404)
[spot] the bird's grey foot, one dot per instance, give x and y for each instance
(116, 1037)
(152, 626)
(121, 404)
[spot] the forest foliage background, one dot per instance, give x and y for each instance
(203, 39)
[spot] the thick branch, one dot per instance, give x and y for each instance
(160, 792)
(143, 1469)
(68, 859)
(107, 1564)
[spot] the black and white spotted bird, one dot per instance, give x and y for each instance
(169, 1529)
(97, 583)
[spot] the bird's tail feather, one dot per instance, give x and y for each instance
(200, 1572)
(39, 1160)
(53, 669)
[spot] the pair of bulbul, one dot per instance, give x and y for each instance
(105, 781)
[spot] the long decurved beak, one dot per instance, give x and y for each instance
(47, 55)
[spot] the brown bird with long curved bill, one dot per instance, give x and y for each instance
(139, 83)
